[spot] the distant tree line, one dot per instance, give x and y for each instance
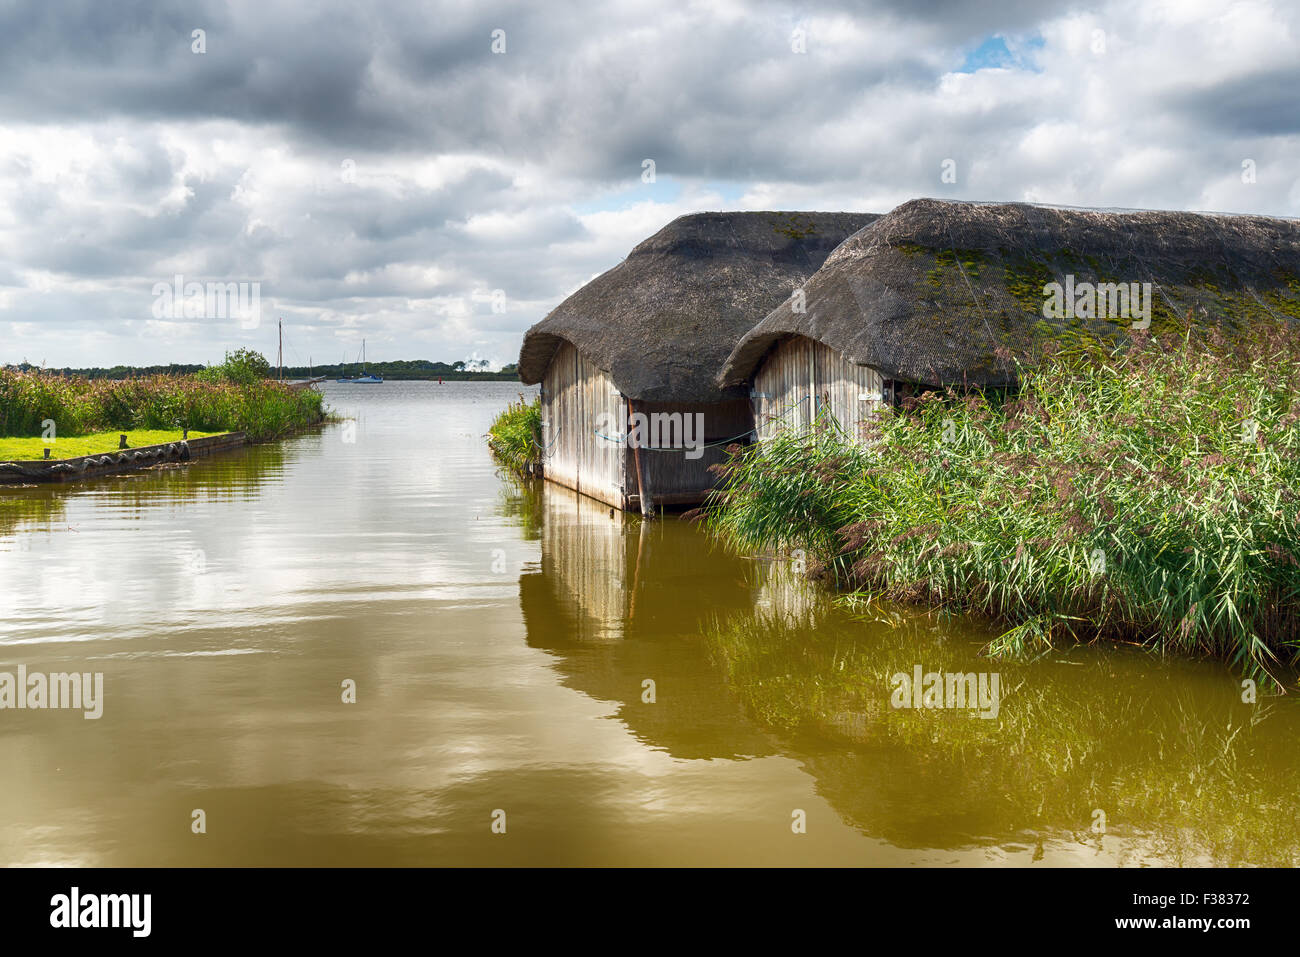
(406, 369)
(398, 369)
(116, 372)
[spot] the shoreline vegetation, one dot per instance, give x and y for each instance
(234, 396)
(515, 437)
(1149, 495)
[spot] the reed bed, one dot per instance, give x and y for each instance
(515, 437)
(1147, 495)
(208, 402)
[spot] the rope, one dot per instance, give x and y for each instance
(743, 435)
(649, 448)
(820, 412)
(1249, 288)
(544, 448)
(992, 340)
(781, 413)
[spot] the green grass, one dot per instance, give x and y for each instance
(1151, 495)
(12, 449)
(515, 436)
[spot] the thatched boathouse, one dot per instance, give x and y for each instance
(642, 344)
(938, 293)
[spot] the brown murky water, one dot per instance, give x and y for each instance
(500, 640)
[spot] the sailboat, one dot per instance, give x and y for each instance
(364, 377)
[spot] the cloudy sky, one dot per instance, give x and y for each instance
(403, 172)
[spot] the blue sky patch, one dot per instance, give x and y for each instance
(665, 189)
(995, 53)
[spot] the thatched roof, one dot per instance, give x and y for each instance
(662, 321)
(941, 292)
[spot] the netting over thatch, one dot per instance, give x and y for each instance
(943, 292)
(663, 320)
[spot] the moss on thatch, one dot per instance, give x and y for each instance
(942, 292)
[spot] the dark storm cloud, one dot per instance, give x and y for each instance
(594, 91)
(1266, 103)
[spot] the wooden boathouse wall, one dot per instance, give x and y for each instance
(675, 479)
(574, 394)
(800, 377)
(600, 464)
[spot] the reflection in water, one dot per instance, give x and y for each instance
(620, 602)
(521, 501)
(1183, 771)
(29, 513)
(501, 636)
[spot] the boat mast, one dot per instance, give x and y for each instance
(280, 357)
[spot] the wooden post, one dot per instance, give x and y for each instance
(636, 575)
(642, 485)
(121, 442)
(47, 451)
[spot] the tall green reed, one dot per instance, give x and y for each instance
(1146, 495)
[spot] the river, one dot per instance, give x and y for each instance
(603, 691)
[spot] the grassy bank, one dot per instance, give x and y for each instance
(95, 444)
(233, 396)
(1149, 496)
(515, 436)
